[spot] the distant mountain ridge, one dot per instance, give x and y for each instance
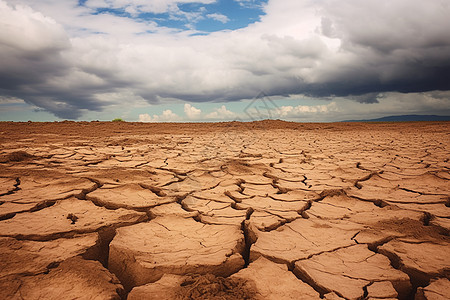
(405, 118)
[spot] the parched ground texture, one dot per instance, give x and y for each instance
(261, 210)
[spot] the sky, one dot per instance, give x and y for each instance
(223, 60)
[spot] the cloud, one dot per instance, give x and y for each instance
(191, 112)
(30, 47)
(139, 8)
(221, 113)
(343, 108)
(166, 116)
(392, 104)
(32, 66)
(145, 118)
(400, 46)
(219, 17)
(64, 58)
(10, 100)
(249, 3)
(304, 110)
(143, 6)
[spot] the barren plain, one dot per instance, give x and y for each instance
(261, 210)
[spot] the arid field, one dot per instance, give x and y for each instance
(262, 210)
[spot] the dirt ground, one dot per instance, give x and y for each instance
(261, 210)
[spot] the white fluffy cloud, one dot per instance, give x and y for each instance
(166, 116)
(218, 17)
(158, 7)
(304, 110)
(249, 3)
(60, 57)
(145, 118)
(388, 104)
(191, 112)
(222, 113)
(28, 30)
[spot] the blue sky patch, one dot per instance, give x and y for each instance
(238, 16)
(221, 15)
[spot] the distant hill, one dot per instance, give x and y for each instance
(406, 118)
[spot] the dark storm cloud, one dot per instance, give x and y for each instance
(34, 76)
(31, 63)
(347, 48)
(401, 46)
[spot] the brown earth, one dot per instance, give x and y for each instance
(261, 210)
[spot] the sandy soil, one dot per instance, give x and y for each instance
(262, 210)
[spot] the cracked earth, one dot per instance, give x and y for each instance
(262, 210)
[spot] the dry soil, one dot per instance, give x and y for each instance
(261, 210)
